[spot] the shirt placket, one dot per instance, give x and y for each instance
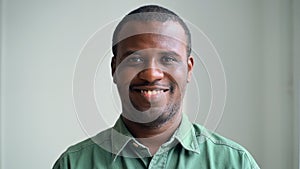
(159, 161)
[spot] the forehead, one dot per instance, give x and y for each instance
(169, 29)
(151, 44)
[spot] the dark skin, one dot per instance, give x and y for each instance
(151, 71)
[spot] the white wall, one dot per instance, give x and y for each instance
(296, 73)
(258, 42)
(1, 75)
(278, 89)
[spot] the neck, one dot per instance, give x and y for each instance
(153, 137)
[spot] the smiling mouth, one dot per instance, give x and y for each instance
(144, 97)
(149, 91)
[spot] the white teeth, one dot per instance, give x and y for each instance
(151, 92)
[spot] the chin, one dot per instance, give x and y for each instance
(143, 115)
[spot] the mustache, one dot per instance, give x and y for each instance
(153, 84)
(169, 86)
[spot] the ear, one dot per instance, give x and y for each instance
(113, 67)
(190, 64)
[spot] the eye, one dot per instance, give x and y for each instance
(168, 59)
(134, 59)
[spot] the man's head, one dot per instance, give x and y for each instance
(151, 13)
(151, 64)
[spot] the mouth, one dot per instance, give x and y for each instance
(150, 91)
(145, 96)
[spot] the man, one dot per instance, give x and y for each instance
(151, 67)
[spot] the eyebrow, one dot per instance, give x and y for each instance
(127, 53)
(169, 53)
(130, 52)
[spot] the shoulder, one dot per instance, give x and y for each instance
(216, 139)
(83, 152)
(103, 138)
(85, 144)
(223, 149)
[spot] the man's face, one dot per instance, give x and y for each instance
(151, 70)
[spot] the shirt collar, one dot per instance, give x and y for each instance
(185, 135)
(120, 136)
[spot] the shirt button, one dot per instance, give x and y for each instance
(135, 145)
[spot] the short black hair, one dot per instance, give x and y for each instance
(151, 13)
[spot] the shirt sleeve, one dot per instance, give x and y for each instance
(249, 162)
(61, 163)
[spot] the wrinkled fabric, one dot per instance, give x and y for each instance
(191, 146)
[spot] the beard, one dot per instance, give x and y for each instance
(153, 114)
(153, 117)
(165, 116)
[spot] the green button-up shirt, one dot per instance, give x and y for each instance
(191, 146)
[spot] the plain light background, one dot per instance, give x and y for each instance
(258, 42)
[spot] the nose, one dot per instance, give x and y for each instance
(151, 74)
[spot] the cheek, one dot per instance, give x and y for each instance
(124, 75)
(123, 79)
(181, 77)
